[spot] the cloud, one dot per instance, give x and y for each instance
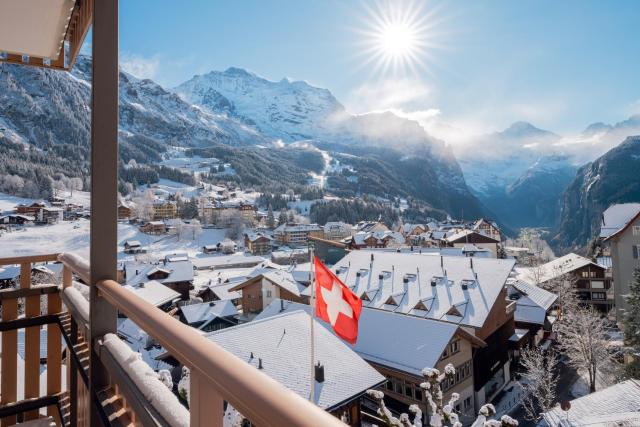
(140, 66)
(399, 94)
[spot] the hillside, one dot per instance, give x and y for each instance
(610, 179)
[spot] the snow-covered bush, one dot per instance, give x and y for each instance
(441, 414)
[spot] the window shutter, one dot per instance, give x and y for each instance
(635, 251)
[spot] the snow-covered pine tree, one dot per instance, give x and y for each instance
(271, 220)
(441, 414)
(282, 218)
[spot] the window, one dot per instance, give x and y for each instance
(268, 293)
(636, 251)
(455, 346)
(599, 296)
(408, 390)
(585, 274)
(636, 230)
(467, 403)
(418, 393)
(397, 386)
(597, 284)
(389, 384)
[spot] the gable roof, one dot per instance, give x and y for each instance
(554, 269)
(470, 236)
(278, 277)
(617, 217)
(178, 271)
(154, 292)
(410, 343)
(618, 405)
(480, 296)
(207, 311)
(283, 343)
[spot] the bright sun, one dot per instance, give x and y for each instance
(397, 40)
(398, 36)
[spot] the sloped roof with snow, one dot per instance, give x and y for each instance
(226, 261)
(409, 344)
(283, 344)
(617, 217)
(178, 271)
(536, 294)
(618, 405)
(554, 269)
(206, 311)
(463, 235)
(408, 277)
(154, 292)
(279, 277)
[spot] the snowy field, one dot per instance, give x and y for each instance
(73, 236)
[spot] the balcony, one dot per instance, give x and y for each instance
(93, 382)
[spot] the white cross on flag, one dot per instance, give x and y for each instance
(336, 304)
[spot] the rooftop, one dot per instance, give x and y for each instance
(283, 344)
(618, 405)
(554, 269)
(402, 283)
(616, 217)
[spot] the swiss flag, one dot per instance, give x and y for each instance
(336, 304)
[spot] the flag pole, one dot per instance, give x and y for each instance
(312, 273)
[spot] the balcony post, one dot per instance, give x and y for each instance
(104, 182)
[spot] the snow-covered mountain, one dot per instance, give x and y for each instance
(295, 110)
(287, 110)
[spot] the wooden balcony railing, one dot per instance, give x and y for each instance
(216, 375)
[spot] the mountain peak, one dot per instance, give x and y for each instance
(238, 72)
(523, 129)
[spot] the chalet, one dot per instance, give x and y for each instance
(209, 316)
(258, 243)
(337, 231)
(621, 231)
(155, 293)
(16, 219)
(276, 345)
(220, 291)
(177, 275)
(469, 292)
(133, 247)
(411, 344)
(164, 209)
(374, 239)
(616, 405)
(265, 285)
(589, 279)
(154, 227)
(370, 226)
(125, 211)
(56, 201)
(533, 315)
(292, 234)
(464, 237)
(488, 228)
(411, 230)
(224, 213)
(32, 210)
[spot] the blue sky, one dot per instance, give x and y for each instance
(560, 65)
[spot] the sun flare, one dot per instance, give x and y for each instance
(398, 36)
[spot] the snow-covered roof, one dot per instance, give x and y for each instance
(617, 405)
(178, 271)
(9, 272)
(408, 344)
(361, 236)
(282, 342)
(226, 261)
(463, 235)
(154, 292)
(139, 341)
(288, 228)
(554, 269)
(206, 311)
(132, 243)
(408, 278)
(536, 294)
(617, 217)
(279, 277)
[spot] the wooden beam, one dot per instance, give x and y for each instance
(104, 183)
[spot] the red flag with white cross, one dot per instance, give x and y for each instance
(336, 304)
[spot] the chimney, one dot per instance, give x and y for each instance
(441, 261)
(319, 372)
(471, 262)
(281, 305)
(371, 258)
(260, 363)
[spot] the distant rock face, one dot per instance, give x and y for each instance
(42, 107)
(518, 174)
(612, 178)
